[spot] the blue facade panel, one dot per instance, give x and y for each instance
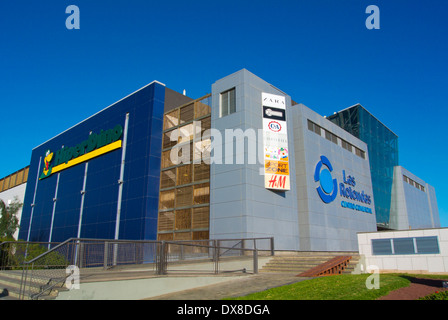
(43, 207)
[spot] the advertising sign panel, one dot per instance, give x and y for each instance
(275, 142)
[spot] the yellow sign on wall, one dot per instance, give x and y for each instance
(94, 146)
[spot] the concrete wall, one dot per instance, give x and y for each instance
(240, 206)
(328, 226)
(412, 208)
(433, 263)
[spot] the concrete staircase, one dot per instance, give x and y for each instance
(10, 281)
(299, 262)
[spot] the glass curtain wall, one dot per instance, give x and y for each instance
(184, 205)
(382, 145)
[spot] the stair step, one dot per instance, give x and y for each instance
(10, 283)
(301, 262)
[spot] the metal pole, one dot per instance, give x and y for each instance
(255, 261)
(106, 254)
(216, 246)
(120, 181)
(54, 211)
(32, 206)
(120, 185)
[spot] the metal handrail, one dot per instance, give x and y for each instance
(80, 255)
(48, 287)
(48, 252)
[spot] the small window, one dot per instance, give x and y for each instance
(346, 145)
(228, 102)
(404, 246)
(427, 245)
(333, 138)
(360, 153)
(310, 125)
(314, 127)
(381, 247)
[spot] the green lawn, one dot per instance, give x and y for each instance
(340, 287)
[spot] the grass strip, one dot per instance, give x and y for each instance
(339, 287)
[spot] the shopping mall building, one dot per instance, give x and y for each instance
(244, 161)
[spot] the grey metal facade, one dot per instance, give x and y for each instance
(241, 206)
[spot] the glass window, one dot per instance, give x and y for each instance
(427, 245)
(346, 145)
(171, 119)
(183, 219)
(201, 109)
(201, 218)
(184, 175)
(166, 221)
(166, 200)
(202, 150)
(184, 197)
(205, 125)
(360, 153)
(404, 246)
(310, 125)
(166, 159)
(330, 136)
(168, 178)
(201, 172)
(228, 102)
(186, 133)
(187, 113)
(170, 139)
(381, 246)
(201, 193)
(314, 127)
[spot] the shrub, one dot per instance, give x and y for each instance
(436, 296)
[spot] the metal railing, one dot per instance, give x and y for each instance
(44, 272)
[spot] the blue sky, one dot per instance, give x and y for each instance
(319, 52)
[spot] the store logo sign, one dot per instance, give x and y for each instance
(274, 126)
(96, 145)
(275, 142)
(328, 188)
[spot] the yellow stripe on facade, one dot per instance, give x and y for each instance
(86, 157)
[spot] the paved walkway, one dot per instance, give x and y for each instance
(235, 287)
